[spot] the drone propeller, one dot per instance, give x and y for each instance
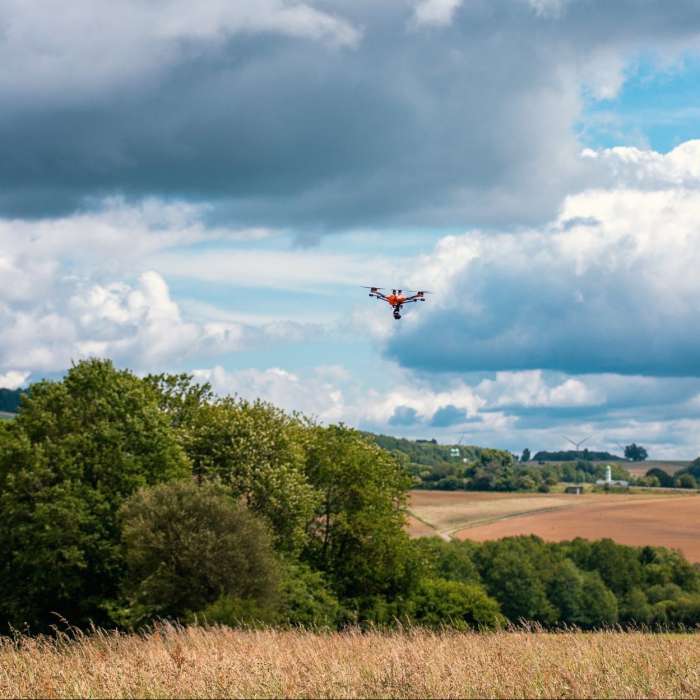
(365, 287)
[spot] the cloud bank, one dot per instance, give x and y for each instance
(314, 116)
(610, 287)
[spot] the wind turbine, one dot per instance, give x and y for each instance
(578, 444)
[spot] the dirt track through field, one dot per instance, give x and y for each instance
(672, 522)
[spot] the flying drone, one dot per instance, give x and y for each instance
(397, 299)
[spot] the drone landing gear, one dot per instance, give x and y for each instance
(397, 315)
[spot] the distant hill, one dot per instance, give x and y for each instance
(427, 452)
(9, 400)
(573, 456)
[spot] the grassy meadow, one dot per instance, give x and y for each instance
(221, 662)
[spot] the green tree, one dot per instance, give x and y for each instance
(78, 448)
(686, 481)
(565, 592)
(357, 533)
(187, 546)
(635, 452)
(451, 560)
(180, 397)
(618, 565)
(664, 478)
(513, 580)
(598, 602)
(437, 603)
(306, 599)
(526, 455)
(259, 452)
(635, 608)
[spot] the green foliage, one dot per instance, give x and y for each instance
(236, 612)
(664, 478)
(77, 449)
(209, 488)
(574, 456)
(306, 600)
(451, 560)
(439, 603)
(357, 534)
(259, 452)
(494, 470)
(685, 481)
(511, 570)
(186, 546)
(525, 457)
(635, 452)
(618, 565)
(426, 453)
(180, 397)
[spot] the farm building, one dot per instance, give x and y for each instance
(578, 490)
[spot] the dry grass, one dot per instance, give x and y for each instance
(197, 662)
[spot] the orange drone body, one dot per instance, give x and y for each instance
(396, 299)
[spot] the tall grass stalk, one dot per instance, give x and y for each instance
(171, 661)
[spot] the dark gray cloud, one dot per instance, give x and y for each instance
(448, 415)
(354, 115)
(404, 416)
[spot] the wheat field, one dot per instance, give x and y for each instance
(221, 662)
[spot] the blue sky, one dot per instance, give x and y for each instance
(205, 188)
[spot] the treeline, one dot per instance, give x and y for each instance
(582, 583)
(9, 400)
(686, 478)
(496, 470)
(128, 499)
(576, 455)
(427, 453)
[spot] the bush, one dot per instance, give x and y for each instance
(686, 481)
(187, 546)
(437, 603)
(306, 600)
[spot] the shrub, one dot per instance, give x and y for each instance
(187, 546)
(438, 603)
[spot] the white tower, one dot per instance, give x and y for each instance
(608, 474)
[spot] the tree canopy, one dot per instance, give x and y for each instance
(125, 498)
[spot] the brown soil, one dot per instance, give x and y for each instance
(669, 522)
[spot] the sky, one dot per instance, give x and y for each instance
(204, 187)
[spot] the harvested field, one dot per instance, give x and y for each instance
(641, 468)
(663, 519)
(220, 662)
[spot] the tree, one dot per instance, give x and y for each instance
(306, 599)
(447, 560)
(437, 602)
(78, 448)
(512, 579)
(526, 455)
(686, 481)
(356, 535)
(664, 479)
(635, 452)
(259, 452)
(598, 602)
(187, 546)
